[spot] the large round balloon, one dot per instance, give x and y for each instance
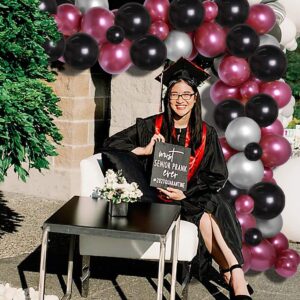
(276, 150)
(70, 17)
(278, 90)
(279, 242)
(179, 44)
(115, 58)
(275, 128)
(219, 91)
(292, 254)
(115, 34)
(232, 12)
(96, 21)
(81, 51)
(55, 49)
(242, 40)
(268, 63)
(233, 70)
(210, 39)
(253, 236)
(48, 5)
(242, 131)
(261, 18)
(253, 151)
(231, 192)
(134, 18)
(243, 173)
(186, 15)
(226, 149)
(263, 256)
(269, 200)
(271, 227)
(85, 5)
(158, 9)
(226, 111)
(285, 267)
(263, 109)
(148, 52)
(244, 204)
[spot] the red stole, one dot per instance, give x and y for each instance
(199, 153)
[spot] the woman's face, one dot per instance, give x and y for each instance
(182, 99)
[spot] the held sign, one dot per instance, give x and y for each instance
(170, 166)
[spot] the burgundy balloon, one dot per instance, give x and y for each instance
(263, 256)
(233, 70)
(261, 18)
(226, 149)
(248, 89)
(246, 221)
(219, 92)
(292, 254)
(69, 17)
(158, 9)
(285, 267)
(96, 21)
(115, 58)
(247, 257)
(268, 173)
(276, 150)
(210, 39)
(279, 242)
(244, 204)
(210, 10)
(272, 180)
(275, 128)
(160, 29)
(279, 90)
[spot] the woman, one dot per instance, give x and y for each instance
(219, 230)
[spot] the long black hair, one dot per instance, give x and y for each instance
(195, 122)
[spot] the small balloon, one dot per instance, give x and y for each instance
(115, 34)
(210, 10)
(253, 236)
(249, 89)
(186, 15)
(81, 51)
(231, 192)
(253, 151)
(48, 5)
(244, 204)
(285, 267)
(246, 221)
(55, 49)
(160, 29)
(134, 19)
(263, 109)
(271, 227)
(85, 5)
(275, 128)
(226, 149)
(226, 111)
(268, 173)
(269, 200)
(148, 52)
(158, 9)
(292, 254)
(279, 242)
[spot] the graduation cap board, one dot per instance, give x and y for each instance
(170, 166)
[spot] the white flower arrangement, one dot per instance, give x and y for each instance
(116, 189)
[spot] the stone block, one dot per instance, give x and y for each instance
(73, 132)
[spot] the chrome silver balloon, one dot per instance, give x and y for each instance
(268, 39)
(85, 5)
(271, 227)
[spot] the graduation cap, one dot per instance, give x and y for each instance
(183, 69)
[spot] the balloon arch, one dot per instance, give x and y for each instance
(243, 40)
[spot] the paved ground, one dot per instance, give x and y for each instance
(21, 218)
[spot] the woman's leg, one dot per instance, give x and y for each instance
(221, 253)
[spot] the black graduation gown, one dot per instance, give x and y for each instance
(202, 193)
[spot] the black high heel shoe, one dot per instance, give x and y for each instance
(249, 287)
(239, 297)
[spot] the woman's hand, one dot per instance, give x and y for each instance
(148, 150)
(173, 194)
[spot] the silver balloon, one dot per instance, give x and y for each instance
(242, 131)
(85, 5)
(243, 173)
(178, 44)
(268, 39)
(271, 227)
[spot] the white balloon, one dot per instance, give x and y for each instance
(292, 8)
(287, 110)
(179, 44)
(85, 5)
(252, 2)
(288, 32)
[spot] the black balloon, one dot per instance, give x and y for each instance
(242, 40)
(253, 151)
(269, 200)
(263, 109)
(186, 15)
(115, 34)
(134, 19)
(230, 192)
(232, 12)
(148, 52)
(81, 51)
(48, 5)
(203, 62)
(226, 111)
(268, 63)
(55, 49)
(253, 236)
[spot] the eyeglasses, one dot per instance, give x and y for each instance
(184, 96)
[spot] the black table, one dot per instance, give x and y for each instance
(145, 221)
